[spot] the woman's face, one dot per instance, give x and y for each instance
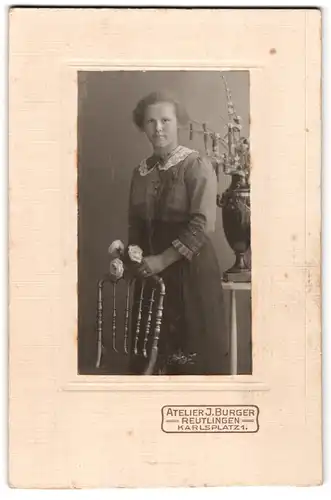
(160, 124)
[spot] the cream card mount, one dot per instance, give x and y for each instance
(72, 427)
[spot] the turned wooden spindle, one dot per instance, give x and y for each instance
(135, 350)
(127, 317)
(114, 318)
(159, 314)
(99, 321)
(157, 329)
(148, 322)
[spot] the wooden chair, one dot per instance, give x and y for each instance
(134, 338)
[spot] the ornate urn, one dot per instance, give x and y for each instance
(236, 215)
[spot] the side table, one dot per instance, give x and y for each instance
(233, 287)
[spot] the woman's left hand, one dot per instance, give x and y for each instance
(151, 265)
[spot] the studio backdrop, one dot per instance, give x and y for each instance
(109, 147)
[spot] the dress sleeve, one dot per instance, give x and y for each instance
(201, 186)
(134, 222)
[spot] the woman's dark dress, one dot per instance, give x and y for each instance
(173, 203)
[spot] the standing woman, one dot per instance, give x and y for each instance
(172, 211)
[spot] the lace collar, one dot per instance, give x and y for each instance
(179, 154)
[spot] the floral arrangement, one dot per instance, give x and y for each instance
(236, 161)
(236, 158)
(124, 259)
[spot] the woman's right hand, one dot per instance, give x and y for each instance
(151, 265)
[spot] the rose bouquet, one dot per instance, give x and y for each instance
(124, 260)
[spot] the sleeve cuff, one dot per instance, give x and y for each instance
(182, 249)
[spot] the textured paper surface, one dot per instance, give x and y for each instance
(75, 431)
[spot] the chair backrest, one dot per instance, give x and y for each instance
(134, 337)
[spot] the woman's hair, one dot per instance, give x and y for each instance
(153, 98)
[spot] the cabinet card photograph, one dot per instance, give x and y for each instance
(165, 225)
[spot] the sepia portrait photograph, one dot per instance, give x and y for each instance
(165, 286)
(164, 260)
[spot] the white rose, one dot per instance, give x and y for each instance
(116, 249)
(116, 269)
(135, 253)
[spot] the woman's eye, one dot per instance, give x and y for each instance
(165, 120)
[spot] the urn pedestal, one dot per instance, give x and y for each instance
(236, 214)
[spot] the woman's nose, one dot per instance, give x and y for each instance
(158, 126)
